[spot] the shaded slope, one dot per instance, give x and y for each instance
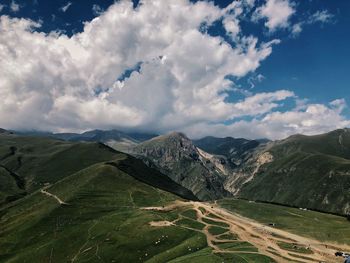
(176, 156)
(137, 169)
(235, 150)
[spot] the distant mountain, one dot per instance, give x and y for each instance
(176, 156)
(304, 171)
(116, 139)
(104, 136)
(3, 131)
(236, 150)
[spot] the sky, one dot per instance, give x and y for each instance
(249, 68)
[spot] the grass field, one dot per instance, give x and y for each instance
(102, 221)
(83, 203)
(320, 226)
(102, 210)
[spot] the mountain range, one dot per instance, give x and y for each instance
(143, 205)
(303, 171)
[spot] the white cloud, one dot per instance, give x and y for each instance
(2, 7)
(66, 7)
(181, 79)
(261, 103)
(55, 82)
(14, 6)
(97, 10)
(277, 13)
(310, 120)
(321, 17)
(231, 26)
(253, 80)
(296, 29)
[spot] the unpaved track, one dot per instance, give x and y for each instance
(43, 191)
(264, 238)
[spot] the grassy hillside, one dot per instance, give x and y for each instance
(307, 171)
(101, 220)
(95, 214)
(319, 226)
(29, 163)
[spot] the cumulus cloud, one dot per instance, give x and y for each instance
(66, 7)
(276, 12)
(310, 120)
(158, 71)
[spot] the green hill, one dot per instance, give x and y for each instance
(306, 171)
(30, 163)
(85, 202)
(87, 206)
(81, 194)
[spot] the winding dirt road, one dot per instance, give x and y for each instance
(264, 238)
(43, 191)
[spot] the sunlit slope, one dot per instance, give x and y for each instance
(101, 219)
(97, 215)
(29, 163)
(319, 226)
(88, 210)
(307, 171)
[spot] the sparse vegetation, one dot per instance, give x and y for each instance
(320, 226)
(294, 248)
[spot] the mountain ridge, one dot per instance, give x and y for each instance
(317, 167)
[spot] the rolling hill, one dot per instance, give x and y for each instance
(85, 202)
(305, 171)
(30, 163)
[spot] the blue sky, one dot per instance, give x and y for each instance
(309, 58)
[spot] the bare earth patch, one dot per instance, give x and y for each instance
(264, 238)
(160, 223)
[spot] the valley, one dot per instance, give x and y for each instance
(174, 131)
(86, 202)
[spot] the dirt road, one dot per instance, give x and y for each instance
(265, 239)
(43, 191)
